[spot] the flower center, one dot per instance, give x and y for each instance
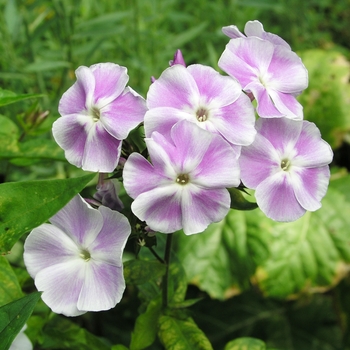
(202, 114)
(182, 179)
(285, 164)
(95, 113)
(85, 254)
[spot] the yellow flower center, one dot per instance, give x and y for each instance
(202, 114)
(285, 164)
(85, 254)
(182, 179)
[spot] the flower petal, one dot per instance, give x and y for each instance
(61, 285)
(140, 176)
(70, 133)
(255, 28)
(201, 207)
(283, 133)
(258, 161)
(160, 208)
(162, 119)
(110, 81)
(235, 122)
(102, 151)
(310, 185)
(275, 197)
(79, 96)
(214, 89)
(79, 221)
(265, 107)
(175, 88)
(103, 287)
(123, 114)
(287, 73)
(219, 167)
(232, 32)
(246, 59)
(312, 150)
(287, 105)
(109, 244)
(47, 245)
(191, 144)
(163, 155)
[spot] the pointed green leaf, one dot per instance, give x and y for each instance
(60, 333)
(9, 135)
(177, 285)
(245, 343)
(141, 271)
(9, 286)
(145, 331)
(182, 334)
(13, 316)
(8, 97)
(28, 204)
(119, 347)
(222, 259)
(238, 201)
(309, 255)
(25, 153)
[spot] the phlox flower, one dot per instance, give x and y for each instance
(287, 165)
(202, 96)
(254, 28)
(97, 113)
(273, 73)
(76, 261)
(185, 186)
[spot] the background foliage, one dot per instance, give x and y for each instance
(286, 284)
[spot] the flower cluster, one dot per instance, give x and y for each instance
(204, 134)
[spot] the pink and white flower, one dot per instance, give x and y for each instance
(273, 73)
(76, 261)
(185, 186)
(254, 28)
(202, 96)
(98, 112)
(287, 165)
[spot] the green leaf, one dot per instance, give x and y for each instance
(9, 286)
(9, 135)
(60, 333)
(28, 204)
(142, 271)
(245, 343)
(184, 304)
(177, 284)
(181, 334)
(119, 347)
(8, 97)
(309, 255)
(326, 100)
(145, 331)
(222, 259)
(239, 202)
(34, 149)
(13, 316)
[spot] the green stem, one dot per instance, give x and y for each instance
(167, 263)
(156, 255)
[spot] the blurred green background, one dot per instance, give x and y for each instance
(42, 42)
